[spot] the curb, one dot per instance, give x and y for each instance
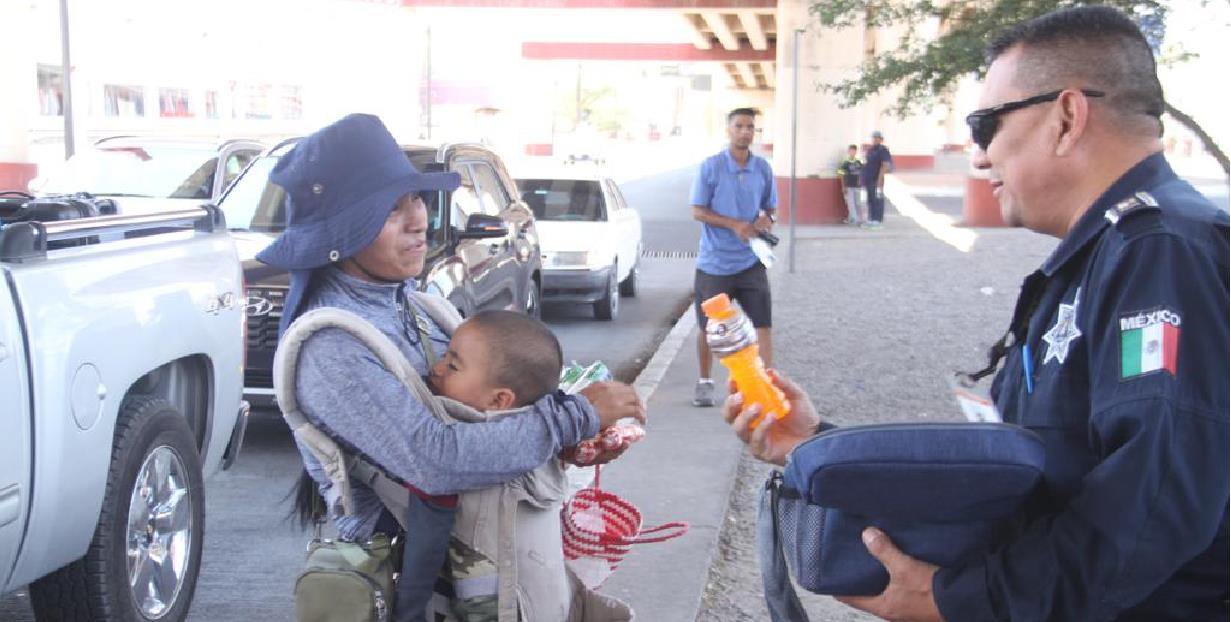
(647, 381)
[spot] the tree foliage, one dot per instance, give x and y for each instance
(926, 68)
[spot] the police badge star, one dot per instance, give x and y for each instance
(1149, 342)
(1063, 332)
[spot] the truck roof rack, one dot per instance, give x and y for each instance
(26, 241)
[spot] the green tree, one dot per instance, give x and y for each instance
(926, 69)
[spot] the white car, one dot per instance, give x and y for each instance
(589, 237)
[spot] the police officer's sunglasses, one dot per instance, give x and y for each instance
(985, 122)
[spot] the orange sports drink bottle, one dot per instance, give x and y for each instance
(732, 337)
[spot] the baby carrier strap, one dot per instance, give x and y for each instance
(338, 465)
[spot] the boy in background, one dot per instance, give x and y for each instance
(849, 171)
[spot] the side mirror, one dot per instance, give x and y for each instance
(482, 226)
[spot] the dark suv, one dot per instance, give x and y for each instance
(483, 250)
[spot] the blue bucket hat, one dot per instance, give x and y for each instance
(341, 183)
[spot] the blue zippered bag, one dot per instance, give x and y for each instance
(941, 491)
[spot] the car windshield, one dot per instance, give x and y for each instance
(157, 171)
(254, 204)
(563, 199)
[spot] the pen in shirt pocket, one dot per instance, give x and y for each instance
(1028, 368)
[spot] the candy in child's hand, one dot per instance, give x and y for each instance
(618, 436)
(586, 452)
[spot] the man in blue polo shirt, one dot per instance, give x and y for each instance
(734, 196)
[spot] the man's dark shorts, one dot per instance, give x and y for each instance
(750, 288)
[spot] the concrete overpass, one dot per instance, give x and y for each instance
(361, 54)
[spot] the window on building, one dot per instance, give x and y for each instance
(123, 101)
(255, 102)
(174, 103)
(292, 103)
(50, 90)
(211, 104)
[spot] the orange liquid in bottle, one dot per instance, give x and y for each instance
(734, 341)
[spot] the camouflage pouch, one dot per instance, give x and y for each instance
(346, 581)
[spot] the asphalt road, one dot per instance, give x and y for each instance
(253, 553)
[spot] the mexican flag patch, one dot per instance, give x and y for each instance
(1149, 342)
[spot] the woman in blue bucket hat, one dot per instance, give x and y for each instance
(355, 239)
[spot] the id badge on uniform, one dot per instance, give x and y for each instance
(974, 401)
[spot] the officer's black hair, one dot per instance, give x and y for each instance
(855, 147)
(750, 112)
(523, 354)
(1095, 47)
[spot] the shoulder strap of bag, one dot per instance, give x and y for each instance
(440, 310)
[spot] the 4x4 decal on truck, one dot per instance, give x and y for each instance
(222, 303)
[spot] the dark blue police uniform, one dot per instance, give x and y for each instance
(1124, 332)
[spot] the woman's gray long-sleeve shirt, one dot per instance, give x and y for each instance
(346, 392)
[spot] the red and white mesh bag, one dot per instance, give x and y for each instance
(600, 527)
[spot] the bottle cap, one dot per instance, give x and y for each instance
(717, 307)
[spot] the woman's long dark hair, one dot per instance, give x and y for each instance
(308, 505)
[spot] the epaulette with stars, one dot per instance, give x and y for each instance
(1140, 202)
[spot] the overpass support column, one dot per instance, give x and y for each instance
(824, 129)
(18, 73)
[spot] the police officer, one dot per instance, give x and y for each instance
(1116, 355)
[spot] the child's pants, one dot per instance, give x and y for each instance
(423, 555)
(853, 204)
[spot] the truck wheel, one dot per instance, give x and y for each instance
(143, 561)
(628, 287)
(607, 307)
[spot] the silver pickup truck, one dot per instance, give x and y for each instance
(121, 372)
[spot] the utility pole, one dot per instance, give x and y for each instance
(577, 100)
(429, 83)
(67, 80)
(794, 133)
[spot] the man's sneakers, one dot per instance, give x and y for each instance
(703, 394)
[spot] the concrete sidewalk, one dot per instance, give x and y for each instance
(682, 471)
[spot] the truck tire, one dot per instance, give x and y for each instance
(153, 508)
(628, 287)
(607, 307)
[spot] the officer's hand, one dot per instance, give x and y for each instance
(773, 439)
(614, 401)
(908, 597)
